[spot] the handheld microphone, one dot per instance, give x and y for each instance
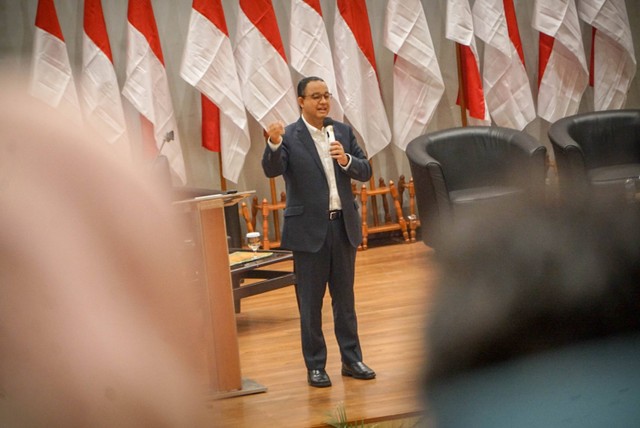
(328, 129)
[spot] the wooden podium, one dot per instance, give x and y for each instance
(221, 340)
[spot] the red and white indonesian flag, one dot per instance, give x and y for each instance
(147, 87)
(310, 50)
(208, 65)
(267, 89)
(51, 77)
(613, 59)
(417, 81)
(100, 94)
(506, 84)
(459, 28)
(356, 75)
(563, 73)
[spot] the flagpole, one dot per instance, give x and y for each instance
(461, 85)
(374, 202)
(223, 181)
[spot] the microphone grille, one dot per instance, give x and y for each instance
(327, 121)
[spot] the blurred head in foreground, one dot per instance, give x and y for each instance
(537, 320)
(97, 325)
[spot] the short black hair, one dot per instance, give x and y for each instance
(302, 84)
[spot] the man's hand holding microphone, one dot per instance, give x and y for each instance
(335, 148)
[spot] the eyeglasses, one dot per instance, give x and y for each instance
(317, 97)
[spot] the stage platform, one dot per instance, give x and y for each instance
(394, 284)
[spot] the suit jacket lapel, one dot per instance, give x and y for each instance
(307, 143)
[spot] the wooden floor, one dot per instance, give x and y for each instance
(394, 283)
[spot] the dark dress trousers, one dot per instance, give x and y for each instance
(324, 250)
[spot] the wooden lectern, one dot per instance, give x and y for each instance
(221, 340)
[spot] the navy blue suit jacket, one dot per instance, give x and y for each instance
(306, 218)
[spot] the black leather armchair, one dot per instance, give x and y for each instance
(596, 153)
(459, 171)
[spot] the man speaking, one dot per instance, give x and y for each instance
(317, 158)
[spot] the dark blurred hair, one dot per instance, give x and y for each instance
(525, 281)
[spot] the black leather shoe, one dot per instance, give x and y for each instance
(318, 378)
(358, 370)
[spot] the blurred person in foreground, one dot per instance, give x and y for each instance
(536, 321)
(97, 325)
(321, 223)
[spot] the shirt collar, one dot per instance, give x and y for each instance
(312, 129)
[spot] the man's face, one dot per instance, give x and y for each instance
(315, 103)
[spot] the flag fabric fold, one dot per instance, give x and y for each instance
(267, 88)
(417, 81)
(459, 28)
(505, 81)
(356, 75)
(100, 93)
(563, 72)
(208, 64)
(613, 57)
(51, 76)
(147, 86)
(309, 48)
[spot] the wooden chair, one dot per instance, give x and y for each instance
(413, 220)
(268, 208)
(269, 211)
(377, 227)
(249, 222)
